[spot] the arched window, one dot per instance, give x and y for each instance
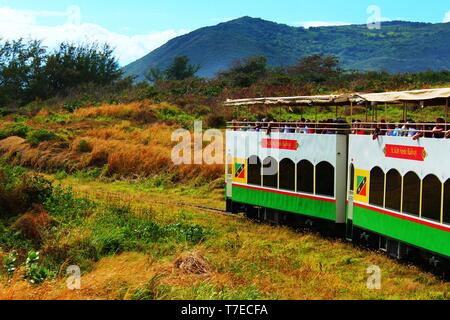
(287, 175)
(254, 171)
(352, 177)
(305, 177)
(447, 202)
(411, 194)
(325, 179)
(393, 190)
(377, 187)
(270, 173)
(431, 198)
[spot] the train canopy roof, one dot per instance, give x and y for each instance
(291, 101)
(405, 96)
(427, 95)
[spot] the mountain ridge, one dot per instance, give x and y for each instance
(399, 46)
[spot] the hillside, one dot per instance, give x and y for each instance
(396, 47)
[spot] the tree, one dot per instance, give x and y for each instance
(247, 72)
(71, 66)
(180, 69)
(316, 69)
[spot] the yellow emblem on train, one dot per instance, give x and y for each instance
(362, 185)
(240, 170)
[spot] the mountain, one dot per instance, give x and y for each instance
(397, 47)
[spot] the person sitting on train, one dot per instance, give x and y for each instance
(438, 130)
(383, 128)
(309, 127)
(412, 130)
(299, 126)
(359, 128)
(447, 135)
(398, 130)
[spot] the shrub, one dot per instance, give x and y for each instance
(36, 137)
(84, 147)
(34, 273)
(34, 224)
(35, 189)
(15, 129)
(10, 263)
(63, 205)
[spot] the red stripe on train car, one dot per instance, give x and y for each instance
(404, 217)
(285, 193)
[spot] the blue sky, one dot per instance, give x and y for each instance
(135, 27)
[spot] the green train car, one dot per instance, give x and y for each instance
(387, 192)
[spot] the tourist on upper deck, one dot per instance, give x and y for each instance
(258, 127)
(383, 128)
(359, 128)
(447, 135)
(390, 130)
(398, 131)
(438, 130)
(412, 130)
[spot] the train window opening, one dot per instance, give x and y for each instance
(254, 171)
(377, 178)
(447, 202)
(411, 194)
(352, 177)
(287, 175)
(270, 173)
(325, 179)
(431, 198)
(393, 190)
(305, 177)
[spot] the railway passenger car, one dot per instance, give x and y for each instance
(288, 172)
(392, 193)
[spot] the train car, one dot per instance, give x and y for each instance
(289, 178)
(399, 187)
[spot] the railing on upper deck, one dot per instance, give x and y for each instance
(412, 130)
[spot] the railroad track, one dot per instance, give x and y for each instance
(118, 197)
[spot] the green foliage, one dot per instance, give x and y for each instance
(28, 72)
(84, 147)
(150, 291)
(35, 273)
(118, 230)
(247, 72)
(10, 263)
(35, 189)
(175, 115)
(66, 207)
(179, 69)
(35, 137)
(15, 129)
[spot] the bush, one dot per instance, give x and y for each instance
(63, 205)
(34, 224)
(15, 129)
(34, 273)
(36, 137)
(35, 189)
(84, 147)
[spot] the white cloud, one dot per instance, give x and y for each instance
(16, 24)
(312, 24)
(447, 17)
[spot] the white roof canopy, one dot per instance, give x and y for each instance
(386, 97)
(405, 96)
